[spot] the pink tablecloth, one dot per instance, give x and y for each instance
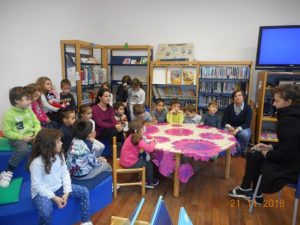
(199, 142)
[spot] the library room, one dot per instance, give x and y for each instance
(161, 113)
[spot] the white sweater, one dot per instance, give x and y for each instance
(46, 184)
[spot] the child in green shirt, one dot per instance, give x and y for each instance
(175, 115)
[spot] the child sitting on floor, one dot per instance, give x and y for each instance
(140, 113)
(120, 115)
(175, 115)
(210, 118)
(159, 114)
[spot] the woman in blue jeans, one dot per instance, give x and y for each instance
(237, 118)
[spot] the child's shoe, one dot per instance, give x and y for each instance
(87, 223)
(259, 200)
(5, 178)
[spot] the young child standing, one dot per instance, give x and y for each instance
(66, 97)
(49, 98)
(136, 95)
(175, 115)
(140, 113)
(191, 115)
(20, 126)
(159, 113)
(210, 118)
(131, 149)
(86, 113)
(68, 118)
(50, 178)
(120, 115)
(122, 91)
(85, 168)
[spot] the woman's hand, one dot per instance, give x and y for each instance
(263, 147)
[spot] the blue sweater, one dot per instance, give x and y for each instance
(242, 120)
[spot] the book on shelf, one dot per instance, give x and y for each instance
(268, 135)
(133, 61)
(188, 75)
(144, 60)
(126, 60)
(175, 75)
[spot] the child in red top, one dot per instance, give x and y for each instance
(131, 148)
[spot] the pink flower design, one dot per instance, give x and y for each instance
(151, 129)
(185, 172)
(203, 126)
(179, 132)
(211, 136)
(199, 149)
(164, 161)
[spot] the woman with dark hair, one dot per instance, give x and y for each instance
(104, 117)
(279, 164)
(237, 119)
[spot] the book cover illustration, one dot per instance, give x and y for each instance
(144, 60)
(126, 60)
(133, 61)
(175, 75)
(188, 75)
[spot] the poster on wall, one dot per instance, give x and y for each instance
(175, 52)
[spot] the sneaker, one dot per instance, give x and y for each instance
(238, 192)
(259, 200)
(149, 185)
(155, 182)
(5, 178)
(87, 223)
(112, 188)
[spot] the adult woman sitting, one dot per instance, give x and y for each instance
(103, 114)
(237, 119)
(279, 164)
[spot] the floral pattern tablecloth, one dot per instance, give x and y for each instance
(191, 140)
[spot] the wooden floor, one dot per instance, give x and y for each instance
(205, 200)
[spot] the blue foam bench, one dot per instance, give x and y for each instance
(24, 211)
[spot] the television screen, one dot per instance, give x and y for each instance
(278, 48)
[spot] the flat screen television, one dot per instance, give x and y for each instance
(278, 48)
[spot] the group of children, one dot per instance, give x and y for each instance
(71, 152)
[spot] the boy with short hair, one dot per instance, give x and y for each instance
(140, 113)
(20, 126)
(68, 117)
(159, 113)
(175, 115)
(191, 115)
(120, 115)
(66, 97)
(210, 118)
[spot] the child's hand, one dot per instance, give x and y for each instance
(59, 202)
(50, 101)
(28, 138)
(124, 118)
(102, 159)
(48, 120)
(119, 127)
(65, 199)
(142, 150)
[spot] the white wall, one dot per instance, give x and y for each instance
(220, 30)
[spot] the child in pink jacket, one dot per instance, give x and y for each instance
(133, 145)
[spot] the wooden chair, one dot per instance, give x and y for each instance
(253, 121)
(117, 169)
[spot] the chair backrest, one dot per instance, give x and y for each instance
(183, 218)
(161, 214)
(136, 211)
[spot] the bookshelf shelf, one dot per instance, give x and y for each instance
(174, 79)
(265, 109)
(217, 81)
(85, 65)
(132, 60)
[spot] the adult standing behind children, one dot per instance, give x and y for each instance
(50, 178)
(237, 119)
(66, 97)
(20, 126)
(136, 95)
(85, 168)
(278, 163)
(104, 117)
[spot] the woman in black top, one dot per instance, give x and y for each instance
(237, 118)
(279, 164)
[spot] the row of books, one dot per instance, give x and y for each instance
(142, 60)
(222, 101)
(173, 92)
(219, 87)
(83, 59)
(225, 72)
(92, 75)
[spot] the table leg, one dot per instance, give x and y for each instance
(176, 179)
(227, 163)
